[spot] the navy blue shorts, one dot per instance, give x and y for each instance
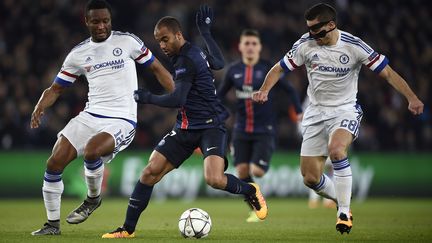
(179, 144)
(253, 148)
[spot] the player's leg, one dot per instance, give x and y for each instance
(63, 153)
(242, 154)
(170, 153)
(263, 148)
(113, 136)
(340, 140)
(312, 171)
(313, 153)
(215, 176)
(99, 145)
(157, 167)
(312, 158)
(343, 129)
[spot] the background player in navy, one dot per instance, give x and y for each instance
(254, 130)
(200, 121)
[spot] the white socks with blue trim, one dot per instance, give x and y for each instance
(342, 178)
(52, 190)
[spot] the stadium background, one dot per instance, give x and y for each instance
(394, 150)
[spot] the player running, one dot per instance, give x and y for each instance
(331, 122)
(200, 121)
(107, 124)
(254, 132)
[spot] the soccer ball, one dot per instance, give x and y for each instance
(194, 223)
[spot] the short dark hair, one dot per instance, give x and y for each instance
(250, 32)
(322, 11)
(170, 22)
(98, 4)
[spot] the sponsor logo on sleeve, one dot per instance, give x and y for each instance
(180, 71)
(290, 54)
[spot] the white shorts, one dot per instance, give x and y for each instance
(320, 122)
(84, 126)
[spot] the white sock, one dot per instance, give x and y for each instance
(52, 190)
(325, 188)
(93, 176)
(343, 184)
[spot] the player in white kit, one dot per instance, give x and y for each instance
(333, 59)
(107, 124)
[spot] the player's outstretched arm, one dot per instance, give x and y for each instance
(414, 103)
(204, 20)
(162, 75)
(47, 99)
(270, 80)
(175, 99)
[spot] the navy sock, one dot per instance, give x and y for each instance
(137, 203)
(248, 179)
(236, 186)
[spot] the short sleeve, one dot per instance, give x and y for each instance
(294, 58)
(365, 54)
(69, 72)
(184, 69)
(138, 51)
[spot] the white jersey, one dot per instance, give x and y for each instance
(333, 70)
(109, 67)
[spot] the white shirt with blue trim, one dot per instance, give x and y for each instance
(109, 67)
(333, 71)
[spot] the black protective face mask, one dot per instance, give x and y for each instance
(318, 26)
(320, 34)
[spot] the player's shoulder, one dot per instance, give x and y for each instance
(192, 53)
(347, 35)
(122, 36)
(354, 42)
(190, 49)
(305, 39)
(81, 45)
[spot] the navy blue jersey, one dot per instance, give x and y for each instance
(203, 109)
(252, 117)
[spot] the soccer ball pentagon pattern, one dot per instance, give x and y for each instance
(195, 223)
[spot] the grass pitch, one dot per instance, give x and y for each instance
(289, 220)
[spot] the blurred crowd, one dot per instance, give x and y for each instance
(36, 36)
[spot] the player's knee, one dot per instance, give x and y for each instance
(150, 176)
(311, 180)
(336, 152)
(215, 181)
(55, 163)
(91, 153)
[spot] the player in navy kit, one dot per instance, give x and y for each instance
(200, 121)
(254, 130)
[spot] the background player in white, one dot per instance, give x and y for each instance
(333, 59)
(107, 124)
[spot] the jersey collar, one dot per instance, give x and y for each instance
(100, 43)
